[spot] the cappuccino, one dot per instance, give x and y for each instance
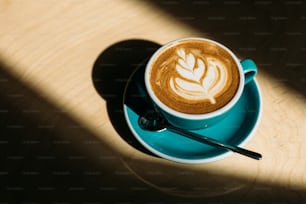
(194, 76)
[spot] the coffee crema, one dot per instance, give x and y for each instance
(194, 76)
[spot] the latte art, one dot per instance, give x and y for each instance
(194, 76)
(198, 80)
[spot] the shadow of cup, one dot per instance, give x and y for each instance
(110, 75)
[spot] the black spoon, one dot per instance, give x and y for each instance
(153, 121)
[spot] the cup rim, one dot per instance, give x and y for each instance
(183, 115)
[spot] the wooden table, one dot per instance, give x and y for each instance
(73, 142)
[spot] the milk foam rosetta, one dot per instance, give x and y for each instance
(194, 77)
(198, 80)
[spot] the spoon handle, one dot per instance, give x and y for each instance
(215, 143)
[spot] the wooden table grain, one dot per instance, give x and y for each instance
(48, 50)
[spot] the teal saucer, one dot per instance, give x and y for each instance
(235, 129)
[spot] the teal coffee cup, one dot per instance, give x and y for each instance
(195, 82)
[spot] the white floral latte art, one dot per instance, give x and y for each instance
(198, 80)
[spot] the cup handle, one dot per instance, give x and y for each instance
(250, 69)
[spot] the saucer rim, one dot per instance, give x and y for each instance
(193, 161)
